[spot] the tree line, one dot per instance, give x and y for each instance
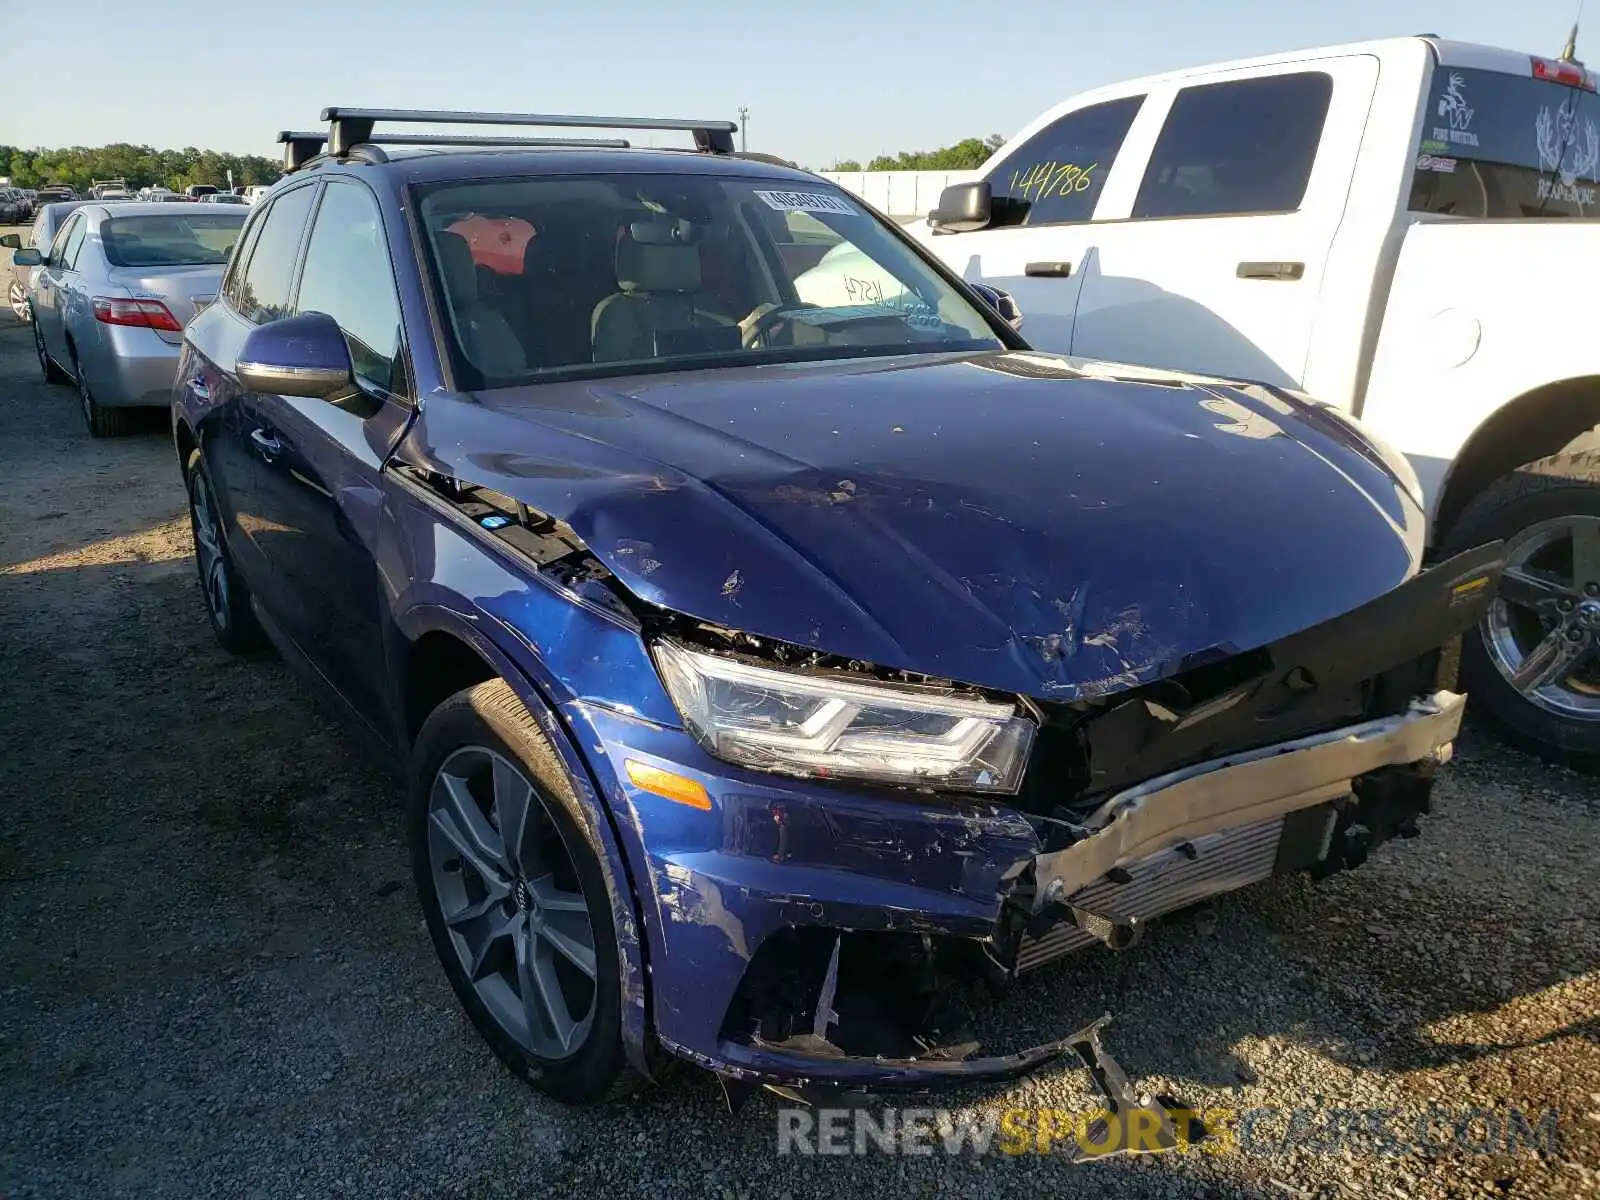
(141, 166)
(965, 155)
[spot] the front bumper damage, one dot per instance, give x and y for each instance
(814, 939)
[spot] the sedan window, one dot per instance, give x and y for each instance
(69, 242)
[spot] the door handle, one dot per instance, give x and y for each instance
(266, 443)
(1287, 271)
(1048, 270)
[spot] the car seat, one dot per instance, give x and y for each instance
(655, 311)
(486, 337)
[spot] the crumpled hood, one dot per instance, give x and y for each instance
(1011, 520)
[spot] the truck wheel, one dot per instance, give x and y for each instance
(1532, 665)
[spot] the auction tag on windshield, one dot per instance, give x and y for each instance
(809, 202)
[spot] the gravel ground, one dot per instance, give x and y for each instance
(214, 980)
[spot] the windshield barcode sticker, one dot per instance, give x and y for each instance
(809, 202)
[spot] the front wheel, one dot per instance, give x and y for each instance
(1532, 665)
(514, 895)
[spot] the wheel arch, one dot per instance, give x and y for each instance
(446, 640)
(1535, 424)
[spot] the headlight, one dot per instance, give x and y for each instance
(823, 726)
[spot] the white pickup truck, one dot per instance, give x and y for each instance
(1404, 229)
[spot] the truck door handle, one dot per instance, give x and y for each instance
(266, 443)
(1048, 270)
(1287, 271)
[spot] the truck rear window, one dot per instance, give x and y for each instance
(1505, 147)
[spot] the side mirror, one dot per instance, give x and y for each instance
(11, 241)
(1003, 302)
(962, 207)
(297, 356)
(26, 258)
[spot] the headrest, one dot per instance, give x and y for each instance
(673, 268)
(459, 269)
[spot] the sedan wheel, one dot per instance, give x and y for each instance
(515, 895)
(102, 422)
(48, 371)
(19, 302)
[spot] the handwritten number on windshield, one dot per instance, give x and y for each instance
(1045, 179)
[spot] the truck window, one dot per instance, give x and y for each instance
(1240, 147)
(1505, 147)
(1056, 175)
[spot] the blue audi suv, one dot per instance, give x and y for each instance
(782, 666)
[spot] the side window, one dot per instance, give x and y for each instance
(233, 282)
(68, 242)
(1240, 147)
(1058, 173)
(35, 233)
(264, 290)
(1507, 147)
(348, 276)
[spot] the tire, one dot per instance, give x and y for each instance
(227, 599)
(17, 297)
(102, 422)
(1536, 510)
(48, 371)
(479, 738)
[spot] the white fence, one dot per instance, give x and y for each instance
(900, 194)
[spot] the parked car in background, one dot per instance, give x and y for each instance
(196, 191)
(111, 296)
(223, 198)
(15, 207)
(107, 189)
(1370, 224)
(54, 193)
(256, 190)
(771, 674)
(39, 236)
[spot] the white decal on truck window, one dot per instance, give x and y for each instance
(1563, 151)
(809, 202)
(1453, 107)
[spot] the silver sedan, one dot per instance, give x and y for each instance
(112, 295)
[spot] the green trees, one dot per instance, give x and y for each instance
(141, 166)
(965, 155)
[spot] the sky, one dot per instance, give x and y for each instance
(822, 79)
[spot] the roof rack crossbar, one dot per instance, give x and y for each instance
(299, 147)
(349, 126)
(461, 139)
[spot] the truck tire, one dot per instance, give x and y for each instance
(1532, 665)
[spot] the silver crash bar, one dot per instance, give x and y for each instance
(1243, 789)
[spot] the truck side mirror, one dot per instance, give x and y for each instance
(962, 207)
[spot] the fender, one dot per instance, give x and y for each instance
(472, 626)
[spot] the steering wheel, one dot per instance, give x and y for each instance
(766, 317)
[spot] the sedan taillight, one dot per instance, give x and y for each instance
(147, 314)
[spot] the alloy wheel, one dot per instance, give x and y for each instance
(1542, 630)
(208, 550)
(19, 302)
(509, 895)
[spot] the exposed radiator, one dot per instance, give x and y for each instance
(1169, 880)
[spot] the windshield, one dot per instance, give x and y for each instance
(601, 274)
(181, 240)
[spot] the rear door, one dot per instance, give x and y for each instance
(315, 492)
(1045, 191)
(49, 294)
(1213, 264)
(256, 289)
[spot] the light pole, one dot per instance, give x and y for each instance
(744, 115)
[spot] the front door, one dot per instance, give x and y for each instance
(50, 293)
(1044, 191)
(1217, 265)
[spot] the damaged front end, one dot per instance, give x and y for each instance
(1303, 756)
(817, 923)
